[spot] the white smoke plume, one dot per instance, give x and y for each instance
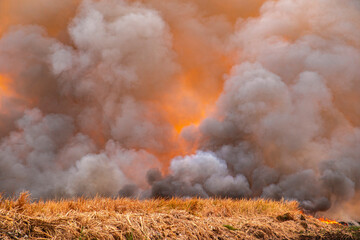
(183, 98)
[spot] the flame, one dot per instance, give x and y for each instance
(328, 221)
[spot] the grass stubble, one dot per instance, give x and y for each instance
(106, 218)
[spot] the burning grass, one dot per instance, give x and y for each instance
(104, 218)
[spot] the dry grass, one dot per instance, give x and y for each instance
(103, 218)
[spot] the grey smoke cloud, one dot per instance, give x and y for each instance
(89, 114)
(284, 102)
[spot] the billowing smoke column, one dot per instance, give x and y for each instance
(248, 99)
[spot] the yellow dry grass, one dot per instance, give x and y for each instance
(104, 218)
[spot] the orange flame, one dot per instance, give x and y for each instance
(328, 221)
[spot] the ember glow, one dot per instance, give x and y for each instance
(186, 98)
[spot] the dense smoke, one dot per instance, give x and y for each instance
(186, 98)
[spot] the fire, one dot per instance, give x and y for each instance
(221, 96)
(328, 221)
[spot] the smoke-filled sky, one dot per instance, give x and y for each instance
(186, 98)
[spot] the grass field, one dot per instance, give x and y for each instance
(103, 218)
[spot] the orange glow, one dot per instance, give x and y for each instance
(4, 88)
(328, 221)
(200, 55)
(5, 91)
(10, 100)
(185, 108)
(199, 87)
(23, 12)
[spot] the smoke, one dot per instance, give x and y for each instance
(142, 99)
